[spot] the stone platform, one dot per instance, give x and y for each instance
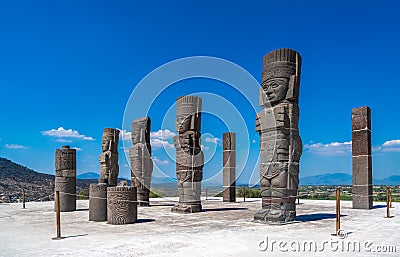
(221, 229)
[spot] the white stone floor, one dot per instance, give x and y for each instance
(223, 229)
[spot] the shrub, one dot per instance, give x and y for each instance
(157, 193)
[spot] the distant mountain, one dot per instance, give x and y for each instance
(88, 175)
(343, 179)
(392, 181)
(158, 180)
(14, 178)
(327, 179)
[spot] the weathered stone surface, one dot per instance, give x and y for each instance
(361, 142)
(65, 180)
(229, 141)
(109, 168)
(98, 202)
(362, 202)
(363, 190)
(65, 165)
(229, 167)
(228, 176)
(362, 161)
(280, 142)
(362, 170)
(229, 158)
(189, 157)
(67, 188)
(140, 156)
(229, 194)
(361, 118)
(121, 205)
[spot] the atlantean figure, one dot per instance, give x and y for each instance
(189, 157)
(140, 156)
(109, 168)
(280, 143)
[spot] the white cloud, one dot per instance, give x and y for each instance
(160, 162)
(77, 148)
(125, 135)
(159, 143)
(15, 146)
(337, 148)
(390, 146)
(334, 148)
(158, 139)
(162, 138)
(214, 140)
(64, 140)
(203, 147)
(391, 143)
(162, 134)
(66, 133)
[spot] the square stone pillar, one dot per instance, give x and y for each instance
(362, 160)
(229, 168)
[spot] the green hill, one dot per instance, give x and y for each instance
(14, 178)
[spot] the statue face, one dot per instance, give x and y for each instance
(276, 89)
(184, 122)
(136, 136)
(139, 132)
(105, 145)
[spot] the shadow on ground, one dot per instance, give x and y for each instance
(225, 209)
(161, 204)
(379, 206)
(316, 216)
(64, 237)
(145, 220)
(82, 209)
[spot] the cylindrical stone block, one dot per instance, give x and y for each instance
(191, 193)
(98, 202)
(67, 188)
(121, 205)
(143, 196)
(65, 164)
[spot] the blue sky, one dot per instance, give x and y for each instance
(74, 65)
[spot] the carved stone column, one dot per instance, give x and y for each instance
(109, 167)
(98, 202)
(109, 170)
(280, 143)
(189, 157)
(141, 162)
(65, 180)
(121, 205)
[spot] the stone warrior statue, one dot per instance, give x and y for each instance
(280, 143)
(109, 168)
(189, 157)
(140, 156)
